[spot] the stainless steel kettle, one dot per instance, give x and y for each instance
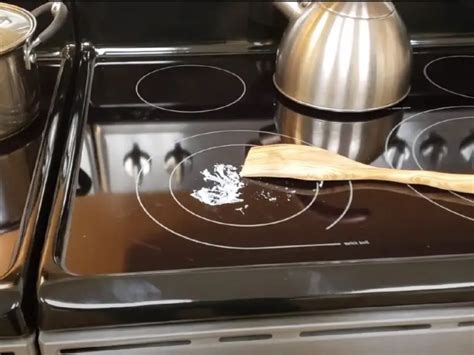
(343, 56)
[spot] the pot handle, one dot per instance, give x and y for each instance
(59, 12)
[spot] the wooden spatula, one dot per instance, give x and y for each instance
(311, 163)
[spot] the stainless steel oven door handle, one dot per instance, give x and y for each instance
(59, 12)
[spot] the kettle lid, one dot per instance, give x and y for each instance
(16, 26)
(364, 10)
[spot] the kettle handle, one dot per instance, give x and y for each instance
(292, 9)
(59, 12)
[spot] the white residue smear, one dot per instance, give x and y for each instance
(266, 195)
(225, 189)
(241, 209)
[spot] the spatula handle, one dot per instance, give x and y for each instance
(445, 181)
(313, 163)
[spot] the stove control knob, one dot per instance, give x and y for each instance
(178, 159)
(467, 149)
(434, 149)
(397, 153)
(137, 161)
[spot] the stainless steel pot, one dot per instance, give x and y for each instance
(358, 137)
(19, 84)
(343, 56)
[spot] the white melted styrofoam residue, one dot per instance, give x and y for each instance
(241, 209)
(266, 195)
(225, 189)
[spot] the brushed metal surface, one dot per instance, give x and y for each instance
(19, 83)
(19, 92)
(345, 57)
(421, 330)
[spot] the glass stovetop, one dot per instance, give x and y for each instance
(18, 154)
(163, 135)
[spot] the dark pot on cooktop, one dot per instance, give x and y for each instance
(360, 137)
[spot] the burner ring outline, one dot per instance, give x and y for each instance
(223, 246)
(351, 192)
(229, 247)
(242, 82)
(425, 72)
(234, 224)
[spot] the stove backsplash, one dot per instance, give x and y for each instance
(158, 23)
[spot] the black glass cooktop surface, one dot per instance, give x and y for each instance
(18, 155)
(26, 173)
(159, 186)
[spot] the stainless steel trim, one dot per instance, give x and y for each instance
(19, 346)
(65, 182)
(228, 47)
(269, 46)
(36, 206)
(280, 334)
(441, 40)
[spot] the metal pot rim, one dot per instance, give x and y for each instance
(21, 39)
(335, 109)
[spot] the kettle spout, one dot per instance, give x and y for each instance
(291, 9)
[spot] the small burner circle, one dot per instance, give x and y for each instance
(192, 88)
(266, 196)
(460, 85)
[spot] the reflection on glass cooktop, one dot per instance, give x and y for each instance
(162, 191)
(18, 155)
(459, 82)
